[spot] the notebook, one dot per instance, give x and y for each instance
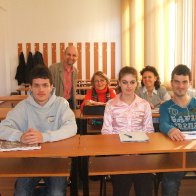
(94, 110)
(134, 137)
(14, 146)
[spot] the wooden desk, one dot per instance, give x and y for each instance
(3, 112)
(11, 101)
(80, 97)
(23, 89)
(51, 160)
(13, 98)
(160, 154)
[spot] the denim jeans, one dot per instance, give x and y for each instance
(56, 186)
(171, 183)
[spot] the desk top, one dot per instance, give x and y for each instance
(3, 112)
(13, 98)
(84, 116)
(23, 89)
(64, 148)
(92, 145)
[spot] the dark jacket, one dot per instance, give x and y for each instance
(20, 72)
(28, 66)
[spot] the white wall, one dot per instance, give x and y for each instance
(58, 21)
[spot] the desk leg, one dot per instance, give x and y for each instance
(83, 127)
(78, 122)
(85, 181)
(74, 179)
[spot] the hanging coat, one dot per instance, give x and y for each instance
(28, 67)
(20, 72)
(38, 58)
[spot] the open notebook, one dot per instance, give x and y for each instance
(14, 146)
(134, 137)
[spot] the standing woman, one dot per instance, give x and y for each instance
(100, 92)
(127, 113)
(151, 89)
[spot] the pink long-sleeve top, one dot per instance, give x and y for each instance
(121, 117)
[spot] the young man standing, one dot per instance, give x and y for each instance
(64, 76)
(177, 115)
(42, 117)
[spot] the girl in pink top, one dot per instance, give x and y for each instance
(126, 113)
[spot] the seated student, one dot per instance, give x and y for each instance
(100, 92)
(151, 89)
(177, 115)
(127, 113)
(42, 117)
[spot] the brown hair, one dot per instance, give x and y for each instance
(124, 71)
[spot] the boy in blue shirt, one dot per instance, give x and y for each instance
(177, 115)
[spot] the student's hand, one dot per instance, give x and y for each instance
(99, 103)
(91, 102)
(176, 135)
(32, 136)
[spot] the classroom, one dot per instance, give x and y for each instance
(109, 35)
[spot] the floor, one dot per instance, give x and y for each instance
(188, 188)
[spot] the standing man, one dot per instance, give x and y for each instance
(64, 76)
(177, 115)
(42, 117)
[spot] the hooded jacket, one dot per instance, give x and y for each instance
(55, 120)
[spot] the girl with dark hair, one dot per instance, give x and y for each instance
(151, 89)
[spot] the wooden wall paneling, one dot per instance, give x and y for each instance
(96, 55)
(113, 61)
(62, 48)
(104, 57)
(45, 53)
(19, 48)
(53, 53)
(28, 49)
(79, 61)
(36, 46)
(87, 55)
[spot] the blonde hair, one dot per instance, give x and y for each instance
(100, 74)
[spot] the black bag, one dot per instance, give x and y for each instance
(94, 110)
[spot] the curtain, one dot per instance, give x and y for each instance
(194, 47)
(157, 33)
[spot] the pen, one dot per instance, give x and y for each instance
(129, 136)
